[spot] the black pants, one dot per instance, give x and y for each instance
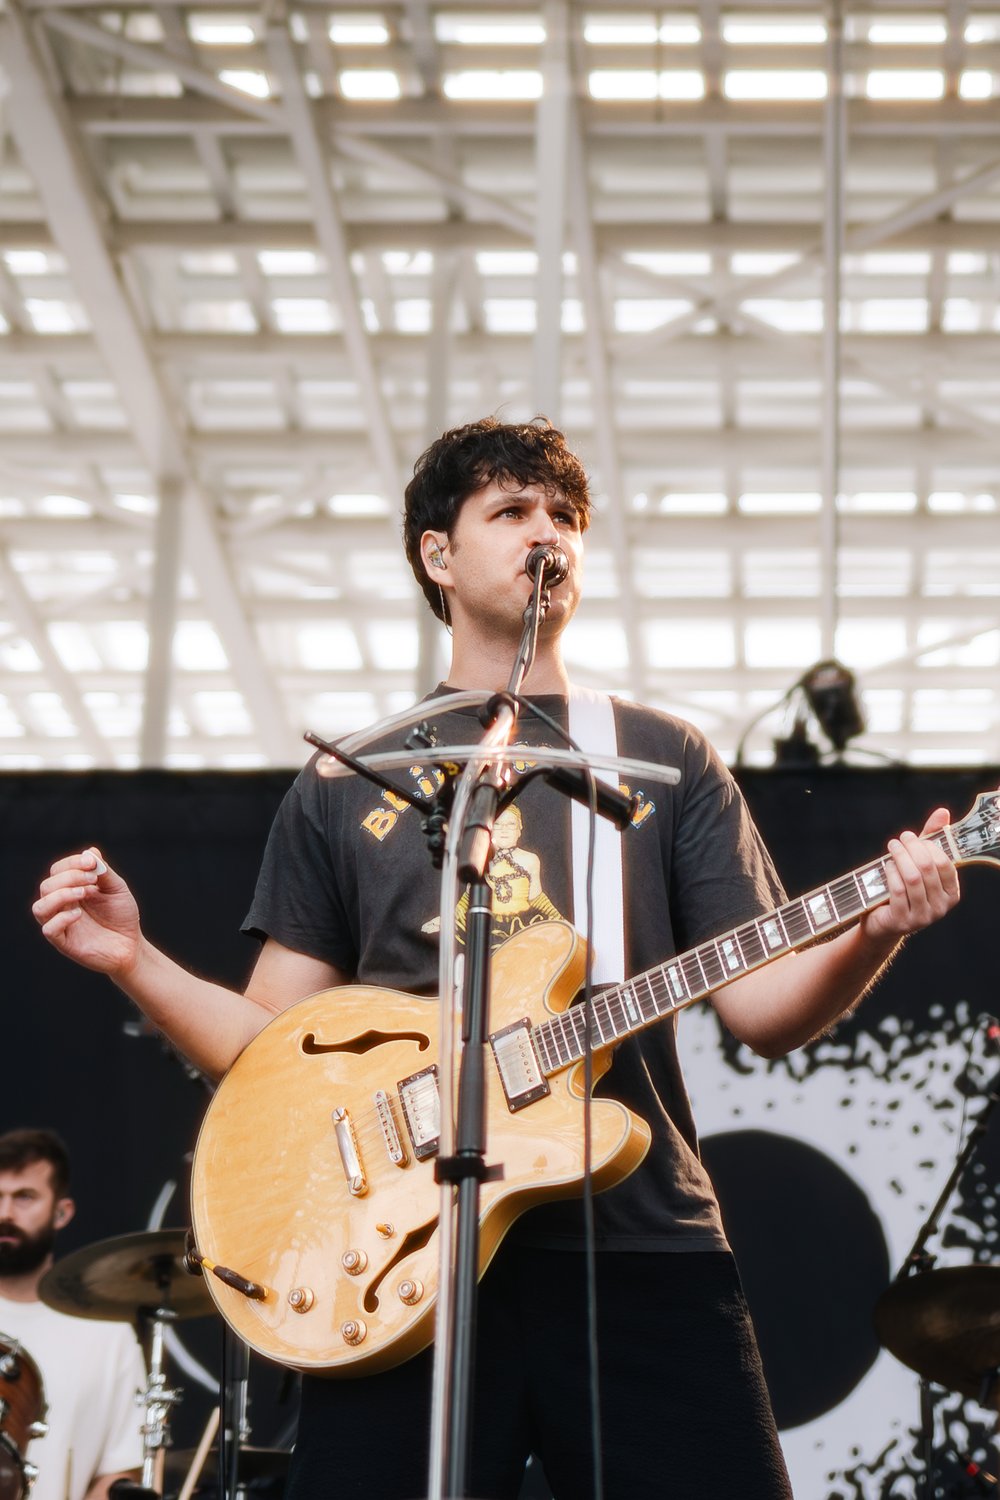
(683, 1402)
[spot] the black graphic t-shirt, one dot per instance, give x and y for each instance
(347, 878)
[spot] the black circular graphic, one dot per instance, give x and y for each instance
(813, 1260)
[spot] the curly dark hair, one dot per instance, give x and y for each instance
(22, 1148)
(466, 459)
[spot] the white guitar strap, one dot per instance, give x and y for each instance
(592, 725)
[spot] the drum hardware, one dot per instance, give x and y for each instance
(140, 1279)
(22, 1417)
(944, 1323)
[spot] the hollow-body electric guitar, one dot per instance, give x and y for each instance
(313, 1185)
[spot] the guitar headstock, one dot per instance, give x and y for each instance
(977, 836)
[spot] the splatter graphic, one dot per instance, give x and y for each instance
(828, 1163)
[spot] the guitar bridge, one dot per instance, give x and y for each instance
(518, 1065)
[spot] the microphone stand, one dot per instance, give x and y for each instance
(466, 1169)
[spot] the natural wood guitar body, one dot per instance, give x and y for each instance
(270, 1195)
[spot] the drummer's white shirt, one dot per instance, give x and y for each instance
(90, 1371)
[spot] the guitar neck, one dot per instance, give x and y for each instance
(690, 976)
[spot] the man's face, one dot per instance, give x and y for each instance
(29, 1217)
(495, 530)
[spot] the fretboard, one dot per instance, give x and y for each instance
(617, 1013)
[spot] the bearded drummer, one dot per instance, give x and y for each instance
(90, 1371)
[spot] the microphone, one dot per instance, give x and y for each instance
(551, 560)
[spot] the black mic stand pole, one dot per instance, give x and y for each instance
(467, 1167)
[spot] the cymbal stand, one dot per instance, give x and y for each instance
(919, 1259)
(156, 1399)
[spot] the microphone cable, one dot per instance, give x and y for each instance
(589, 1229)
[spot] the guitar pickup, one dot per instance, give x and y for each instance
(421, 1103)
(518, 1064)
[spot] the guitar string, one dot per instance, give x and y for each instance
(561, 1032)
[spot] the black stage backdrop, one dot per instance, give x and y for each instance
(826, 1164)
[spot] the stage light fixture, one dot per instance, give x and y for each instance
(832, 693)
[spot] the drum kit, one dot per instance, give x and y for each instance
(146, 1280)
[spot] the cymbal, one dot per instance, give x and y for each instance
(945, 1325)
(254, 1463)
(120, 1278)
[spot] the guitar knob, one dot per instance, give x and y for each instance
(354, 1331)
(410, 1292)
(385, 1231)
(354, 1262)
(301, 1298)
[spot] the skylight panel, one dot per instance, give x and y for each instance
(358, 505)
(64, 505)
(671, 262)
(643, 314)
(209, 263)
(408, 262)
(290, 262)
(621, 31)
(247, 80)
(370, 83)
(879, 502)
(220, 316)
(690, 643)
(48, 713)
(509, 314)
(393, 645)
(18, 655)
(413, 315)
(867, 643)
(889, 315)
(976, 83)
(124, 644)
(221, 30)
(623, 83)
(905, 83)
(903, 31)
(147, 83)
(220, 712)
(680, 503)
(493, 84)
(197, 648)
(772, 83)
(983, 29)
(644, 83)
(780, 643)
(890, 263)
(54, 315)
(484, 30)
(303, 314)
(363, 29)
(34, 263)
(73, 646)
(960, 315)
(641, 29)
(328, 643)
(778, 30)
(760, 262)
(759, 503)
(506, 262)
(802, 316)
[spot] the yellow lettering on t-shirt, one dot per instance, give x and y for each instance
(380, 822)
(643, 809)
